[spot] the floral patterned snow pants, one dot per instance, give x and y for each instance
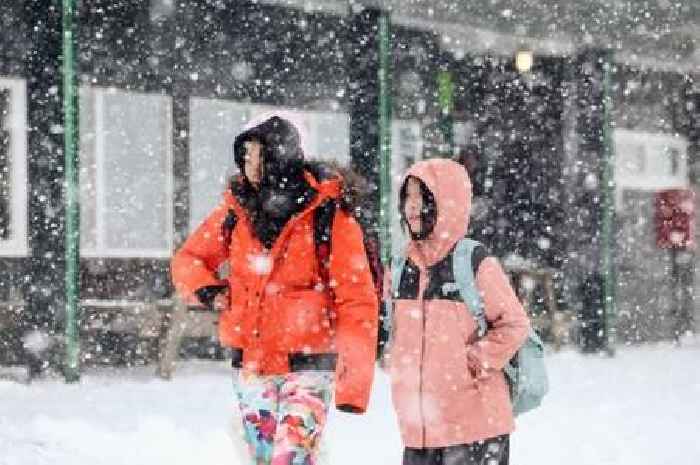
(284, 415)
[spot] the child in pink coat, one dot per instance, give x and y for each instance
(448, 387)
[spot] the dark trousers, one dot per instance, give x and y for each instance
(494, 451)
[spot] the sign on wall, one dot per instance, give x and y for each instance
(675, 219)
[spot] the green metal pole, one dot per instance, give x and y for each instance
(608, 193)
(384, 78)
(446, 103)
(72, 219)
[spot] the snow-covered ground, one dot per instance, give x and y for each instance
(641, 407)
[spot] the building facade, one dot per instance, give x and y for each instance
(165, 86)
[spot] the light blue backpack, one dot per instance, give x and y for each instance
(525, 372)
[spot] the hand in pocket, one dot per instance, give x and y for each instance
(221, 301)
(476, 369)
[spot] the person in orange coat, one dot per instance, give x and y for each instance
(297, 332)
(448, 388)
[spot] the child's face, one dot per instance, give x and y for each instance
(413, 205)
(253, 162)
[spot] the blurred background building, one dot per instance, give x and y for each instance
(570, 115)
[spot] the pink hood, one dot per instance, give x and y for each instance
(450, 185)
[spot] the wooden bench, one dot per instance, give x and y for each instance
(11, 310)
(119, 330)
(167, 320)
(182, 321)
(555, 323)
(139, 317)
(11, 319)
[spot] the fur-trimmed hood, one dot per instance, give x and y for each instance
(269, 209)
(353, 188)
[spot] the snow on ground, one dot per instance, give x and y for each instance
(641, 407)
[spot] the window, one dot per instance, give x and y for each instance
(125, 173)
(406, 143)
(649, 161)
(214, 124)
(213, 127)
(13, 167)
(406, 149)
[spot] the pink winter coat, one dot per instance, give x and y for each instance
(447, 387)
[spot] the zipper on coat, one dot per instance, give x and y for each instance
(421, 291)
(266, 253)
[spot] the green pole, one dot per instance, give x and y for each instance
(608, 193)
(384, 138)
(72, 219)
(446, 103)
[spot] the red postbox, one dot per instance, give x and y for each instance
(675, 219)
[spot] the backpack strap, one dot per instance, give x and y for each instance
(398, 263)
(228, 226)
(466, 281)
(323, 225)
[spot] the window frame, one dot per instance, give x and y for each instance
(17, 245)
(652, 152)
(101, 248)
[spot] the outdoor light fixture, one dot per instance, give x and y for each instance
(523, 60)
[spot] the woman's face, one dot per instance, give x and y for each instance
(413, 205)
(253, 162)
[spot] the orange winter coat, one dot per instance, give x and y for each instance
(280, 308)
(448, 388)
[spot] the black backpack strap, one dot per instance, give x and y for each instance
(323, 225)
(228, 226)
